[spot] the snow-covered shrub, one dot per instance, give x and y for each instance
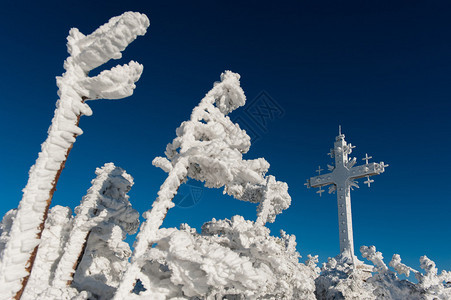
(431, 285)
(95, 249)
(343, 278)
(75, 87)
(340, 279)
(106, 254)
(229, 259)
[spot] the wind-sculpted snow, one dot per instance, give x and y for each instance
(229, 258)
(75, 87)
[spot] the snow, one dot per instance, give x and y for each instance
(339, 279)
(229, 257)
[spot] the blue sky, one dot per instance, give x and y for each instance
(380, 69)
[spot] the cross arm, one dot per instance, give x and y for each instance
(320, 180)
(367, 170)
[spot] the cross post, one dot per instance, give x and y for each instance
(342, 178)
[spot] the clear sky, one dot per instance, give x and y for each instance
(381, 69)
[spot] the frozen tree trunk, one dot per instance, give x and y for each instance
(75, 87)
(149, 229)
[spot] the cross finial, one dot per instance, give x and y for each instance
(320, 191)
(368, 181)
(366, 158)
(319, 170)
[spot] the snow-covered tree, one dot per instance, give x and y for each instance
(208, 148)
(75, 87)
(104, 214)
(90, 244)
(111, 218)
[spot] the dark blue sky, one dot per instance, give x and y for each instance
(380, 69)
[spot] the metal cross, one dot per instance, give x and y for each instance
(343, 176)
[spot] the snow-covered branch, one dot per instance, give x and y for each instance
(75, 87)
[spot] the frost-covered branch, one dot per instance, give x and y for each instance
(275, 199)
(75, 87)
(375, 257)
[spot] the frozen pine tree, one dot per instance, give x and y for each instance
(75, 87)
(208, 148)
(104, 215)
(105, 253)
